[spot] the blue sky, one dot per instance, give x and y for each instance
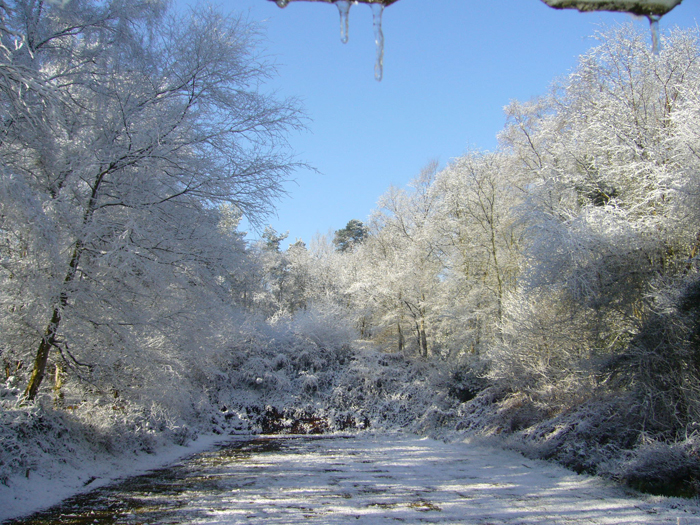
(450, 66)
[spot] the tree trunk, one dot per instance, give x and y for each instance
(693, 253)
(418, 343)
(49, 339)
(57, 385)
(499, 279)
(423, 339)
(42, 355)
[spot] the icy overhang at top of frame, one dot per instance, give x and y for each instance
(637, 7)
(652, 9)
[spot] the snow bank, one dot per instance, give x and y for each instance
(74, 466)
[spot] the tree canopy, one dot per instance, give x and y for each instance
(354, 233)
(125, 129)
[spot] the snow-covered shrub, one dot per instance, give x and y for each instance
(604, 435)
(31, 438)
(670, 469)
(309, 383)
(466, 378)
(543, 341)
(325, 323)
(659, 370)
(276, 369)
(40, 438)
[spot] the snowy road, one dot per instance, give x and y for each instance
(365, 480)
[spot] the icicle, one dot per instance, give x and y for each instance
(655, 42)
(344, 10)
(282, 3)
(377, 10)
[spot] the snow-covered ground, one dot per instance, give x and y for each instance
(384, 478)
(34, 492)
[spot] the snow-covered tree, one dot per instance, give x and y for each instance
(399, 270)
(124, 129)
(480, 239)
(610, 215)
